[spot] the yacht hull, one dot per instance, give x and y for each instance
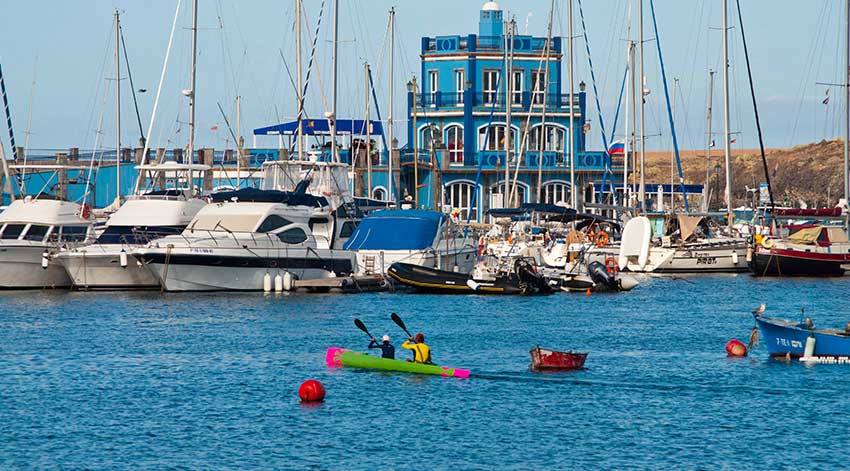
(92, 269)
(182, 269)
(707, 260)
(779, 262)
(379, 261)
(21, 268)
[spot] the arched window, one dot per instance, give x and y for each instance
(454, 144)
(459, 196)
(495, 138)
(497, 195)
(556, 192)
(554, 139)
(379, 194)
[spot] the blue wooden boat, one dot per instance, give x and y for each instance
(786, 338)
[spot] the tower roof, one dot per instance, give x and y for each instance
(491, 6)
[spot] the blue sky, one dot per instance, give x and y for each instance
(66, 48)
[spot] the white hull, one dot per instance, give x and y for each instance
(705, 259)
(236, 269)
(99, 267)
(20, 268)
(379, 261)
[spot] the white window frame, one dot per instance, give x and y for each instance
(489, 81)
(552, 132)
(556, 191)
(460, 85)
(538, 94)
(453, 153)
(458, 196)
(517, 87)
(434, 84)
(495, 136)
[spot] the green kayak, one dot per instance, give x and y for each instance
(338, 357)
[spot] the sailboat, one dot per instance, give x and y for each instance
(817, 250)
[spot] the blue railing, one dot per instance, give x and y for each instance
(523, 101)
(585, 161)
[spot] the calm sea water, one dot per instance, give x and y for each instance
(99, 380)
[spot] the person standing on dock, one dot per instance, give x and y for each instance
(387, 349)
(421, 351)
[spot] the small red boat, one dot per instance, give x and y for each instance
(544, 359)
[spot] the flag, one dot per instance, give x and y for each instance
(617, 148)
(214, 128)
(712, 143)
(826, 100)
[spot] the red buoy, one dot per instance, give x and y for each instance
(311, 391)
(735, 348)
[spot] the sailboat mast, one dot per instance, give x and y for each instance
(571, 73)
(300, 75)
(190, 158)
(709, 138)
(334, 149)
(641, 114)
(627, 146)
(673, 149)
(368, 125)
(391, 195)
(508, 79)
(846, 80)
(117, 110)
(726, 141)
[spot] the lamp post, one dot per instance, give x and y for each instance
(412, 89)
(436, 142)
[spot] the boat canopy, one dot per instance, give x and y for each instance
(811, 235)
(313, 127)
(396, 229)
(253, 195)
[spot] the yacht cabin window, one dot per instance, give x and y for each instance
(273, 222)
(293, 236)
(36, 232)
(12, 231)
(228, 222)
(74, 233)
(347, 228)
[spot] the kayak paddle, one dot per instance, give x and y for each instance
(400, 323)
(360, 325)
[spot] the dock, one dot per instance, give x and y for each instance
(344, 284)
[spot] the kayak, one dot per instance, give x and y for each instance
(338, 357)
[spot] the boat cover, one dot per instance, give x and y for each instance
(253, 195)
(687, 225)
(396, 229)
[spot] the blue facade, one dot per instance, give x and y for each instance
(459, 106)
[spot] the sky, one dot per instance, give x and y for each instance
(57, 57)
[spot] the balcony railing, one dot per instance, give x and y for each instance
(522, 44)
(585, 161)
(522, 101)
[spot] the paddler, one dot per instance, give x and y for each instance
(421, 351)
(387, 349)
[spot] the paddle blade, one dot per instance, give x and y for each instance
(360, 325)
(400, 323)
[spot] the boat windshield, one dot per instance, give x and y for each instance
(225, 222)
(136, 235)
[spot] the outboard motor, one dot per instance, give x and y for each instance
(601, 276)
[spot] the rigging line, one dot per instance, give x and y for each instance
(669, 111)
(310, 62)
(608, 163)
(755, 104)
(99, 87)
(132, 85)
(808, 68)
(6, 108)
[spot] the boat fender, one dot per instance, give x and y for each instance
(288, 281)
(749, 254)
(809, 350)
(736, 348)
(473, 285)
(45, 259)
(122, 258)
(734, 257)
(278, 283)
(267, 282)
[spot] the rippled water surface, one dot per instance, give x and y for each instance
(101, 380)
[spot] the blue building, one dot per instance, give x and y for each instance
(460, 135)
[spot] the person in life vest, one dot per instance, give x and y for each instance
(387, 349)
(421, 351)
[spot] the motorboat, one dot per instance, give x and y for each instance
(521, 279)
(802, 339)
(417, 237)
(245, 238)
(149, 215)
(33, 228)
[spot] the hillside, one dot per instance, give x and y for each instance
(810, 172)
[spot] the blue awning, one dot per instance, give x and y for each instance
(396, 229)
(312, 127)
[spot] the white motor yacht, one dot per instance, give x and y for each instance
(30, 230)
(245, 238)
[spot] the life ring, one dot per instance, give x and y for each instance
(85, 211)
(611, 265)
(601, 239)
(591, 235)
